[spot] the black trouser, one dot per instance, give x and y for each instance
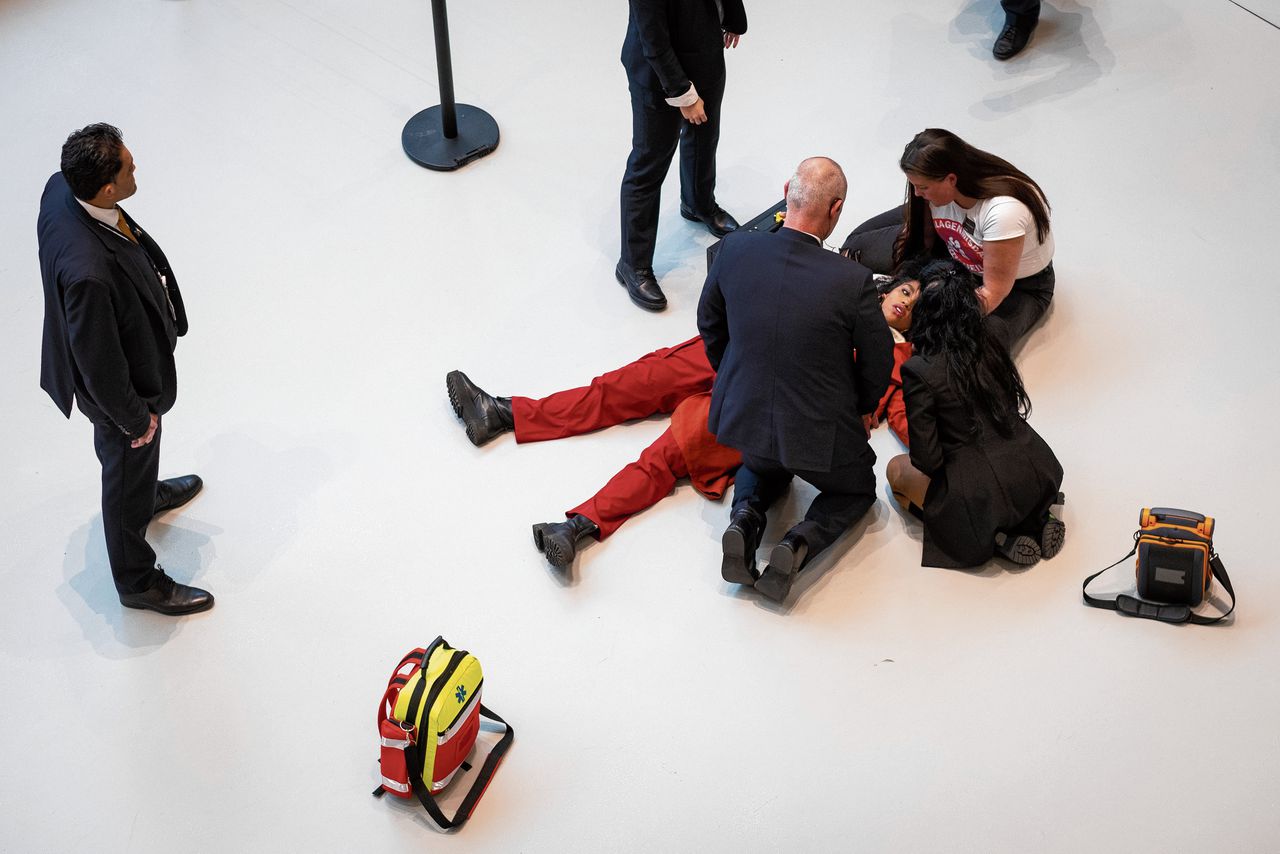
(656, 129)
(847, 493)
(1023, 307)
(1022, 8)
(128, 503)
(871, 243)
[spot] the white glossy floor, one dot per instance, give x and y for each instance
(331, 283)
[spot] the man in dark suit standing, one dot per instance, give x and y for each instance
(674, 56)
(112, 317)
(781, 319)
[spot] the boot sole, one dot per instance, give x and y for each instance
(455, 398)
(1052, 536)
(538, 530)
(556, 553)
(1022, 550)
(733, 567)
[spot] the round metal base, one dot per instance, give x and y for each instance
(425, 143)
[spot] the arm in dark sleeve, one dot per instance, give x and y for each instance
(922, 422)
(735, 16)
(655, 42)
(713, 316)
(99, 356)
(874, 345)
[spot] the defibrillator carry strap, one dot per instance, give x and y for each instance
(1132, 606)
(477, 788)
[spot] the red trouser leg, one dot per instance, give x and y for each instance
(651, 384)
(637, 487)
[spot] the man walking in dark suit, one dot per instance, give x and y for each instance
(674, 56)
(782, 318)
(1020, 19)
(112, 317)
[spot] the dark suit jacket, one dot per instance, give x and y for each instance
(781, 318)
(671, 43)
(110, 325)
(980, 481)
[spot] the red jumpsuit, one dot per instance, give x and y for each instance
(676, 380)
(656, 383)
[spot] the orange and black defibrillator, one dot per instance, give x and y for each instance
(1176, 565)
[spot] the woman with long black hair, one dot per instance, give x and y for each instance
(980, 478)
(980, 210)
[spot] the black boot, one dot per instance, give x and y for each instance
(784, 562)
(1053, 532)
(485, 416)
(559, 540)
(738, 545)
(1020, 548)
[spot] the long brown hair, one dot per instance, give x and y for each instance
(935, 153)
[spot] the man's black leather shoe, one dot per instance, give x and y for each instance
(719, 222)
(784, 562)
(1014, 37)
(176, 491)
(559, 540)
(169, 597)
(738, 545)
(485, 416)
(642, 286)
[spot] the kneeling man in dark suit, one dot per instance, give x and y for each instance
(112, 317)
(782, 318)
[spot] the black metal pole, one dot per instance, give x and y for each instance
(444, 67)
(448, 135)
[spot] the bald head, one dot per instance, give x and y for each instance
(818, 182)
(815, 196)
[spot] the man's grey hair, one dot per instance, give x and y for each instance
(818, 182)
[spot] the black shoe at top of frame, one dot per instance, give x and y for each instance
(642, 286)
(484, 416)
(170, 598)
(1014, 37)
(173, 492)
(719, 222)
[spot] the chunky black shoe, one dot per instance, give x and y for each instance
(1052, 535)
(784, 562)
(559, 540)
(642, 286)
(175, 491)
(1020, 549)
(1014, 37)
(485, 416)
(719, 222)
(169, 597)
(738, 544)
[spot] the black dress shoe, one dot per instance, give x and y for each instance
(784, 562)
(167, 596)
(485, 416)
(738, 545)
(559, 540)
(642, 286)
(176, 491)
(719, 222)
(1014, 37)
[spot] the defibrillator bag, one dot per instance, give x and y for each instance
(1175, 567)
(428, 720)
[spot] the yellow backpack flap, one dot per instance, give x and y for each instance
(438, 700)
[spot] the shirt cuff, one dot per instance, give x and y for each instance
(688, 99)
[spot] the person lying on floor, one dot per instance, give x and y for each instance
(898, 295)
(674, 379)
(979, 477)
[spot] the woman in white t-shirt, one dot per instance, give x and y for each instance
(987, 214)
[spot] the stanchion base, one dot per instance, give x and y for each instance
(425, 143)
